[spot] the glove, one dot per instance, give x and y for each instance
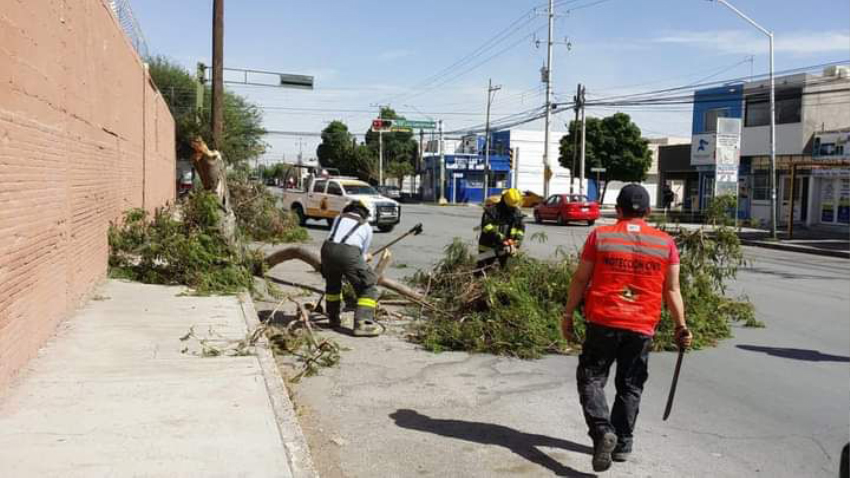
(683, 336)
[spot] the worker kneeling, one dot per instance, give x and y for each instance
(344, 254)
(502, 230)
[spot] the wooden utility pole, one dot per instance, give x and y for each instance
(490, 90)
(217, 115)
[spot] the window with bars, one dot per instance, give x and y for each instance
(761, 187)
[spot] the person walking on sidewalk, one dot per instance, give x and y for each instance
(627, 272)
(344, 254)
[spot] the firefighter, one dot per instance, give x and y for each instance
(627, 272)
(345, 254)
(502, 230)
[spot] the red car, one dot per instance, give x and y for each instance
(565, 208)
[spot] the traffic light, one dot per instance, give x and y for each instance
(381, 124)
(511, 158)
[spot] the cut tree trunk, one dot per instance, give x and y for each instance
(210, 166)
(311, 258)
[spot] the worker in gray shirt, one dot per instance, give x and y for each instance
(344, 254)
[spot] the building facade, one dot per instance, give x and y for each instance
(808, 107)
(465, 165)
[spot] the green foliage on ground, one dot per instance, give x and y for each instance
(187, 251)
(258, 215)
(514, 311)
(517, 311)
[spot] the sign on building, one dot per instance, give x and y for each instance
(831, 145)
(702, 149)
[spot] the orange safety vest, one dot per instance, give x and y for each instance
(626, 289)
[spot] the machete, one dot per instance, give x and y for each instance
(669, 406)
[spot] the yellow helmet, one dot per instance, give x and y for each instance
(512, 197)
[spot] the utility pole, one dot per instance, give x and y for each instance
(547, 172)
(442, 164)
(490, 90)
(380, 157)
(218, 74)
(420, 160)
(576, 106)
(300, 148)
(583, 136)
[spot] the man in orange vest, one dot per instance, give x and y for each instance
(627, 272)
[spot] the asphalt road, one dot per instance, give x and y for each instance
(768, 402)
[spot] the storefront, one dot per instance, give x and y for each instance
(830, 173)
(464, 177)
(832, 197)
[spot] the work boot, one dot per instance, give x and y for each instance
(621, 452)
(367, 328)
(333, 314)
(602, 448)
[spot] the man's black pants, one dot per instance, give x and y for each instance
(602, 347)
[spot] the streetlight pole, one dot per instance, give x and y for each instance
(773, 214)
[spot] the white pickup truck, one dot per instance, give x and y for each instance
(325, 197)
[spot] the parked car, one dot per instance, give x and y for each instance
(325, 197)
(565, 208)
(529, 199)
(392, 192)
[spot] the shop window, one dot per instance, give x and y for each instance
(761, 187)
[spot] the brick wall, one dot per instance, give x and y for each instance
(84, 135)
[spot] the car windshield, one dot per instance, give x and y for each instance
(577, 198)
(359, 189)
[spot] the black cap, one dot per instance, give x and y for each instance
(633, 199)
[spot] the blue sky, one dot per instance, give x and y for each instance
(366, 53)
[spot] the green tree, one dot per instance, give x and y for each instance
(336, 147)
(399, 170)
(340, 150)
(398, 147)
(614, 143)
(243, 131)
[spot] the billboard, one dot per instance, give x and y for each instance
(728, 156)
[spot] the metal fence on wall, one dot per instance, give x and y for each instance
(124, 12)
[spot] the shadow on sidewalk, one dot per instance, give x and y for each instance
(523, 444)
(795, 354)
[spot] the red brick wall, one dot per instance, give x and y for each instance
(84, 135)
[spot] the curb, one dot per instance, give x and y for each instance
(297, 451)
(799, 249)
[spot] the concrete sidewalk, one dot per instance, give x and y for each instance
(114, 394)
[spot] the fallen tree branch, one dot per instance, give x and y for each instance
(311, 258)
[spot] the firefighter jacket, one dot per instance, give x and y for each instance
(500, 223)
